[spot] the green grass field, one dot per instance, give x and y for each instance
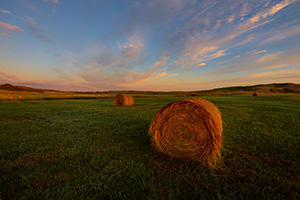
(89, 149)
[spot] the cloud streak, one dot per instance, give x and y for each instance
(5, 11)
(285, 33)
(271, 11)
(9, 78)
(251, 62)
(38, 32)
(200, 47)
(290, 75)
(3, 33)
(34, 29)
(53, 1)
(10, 27)
(115, 70)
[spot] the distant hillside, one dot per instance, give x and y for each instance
(263, 88)
(267, 88)
(10, 87)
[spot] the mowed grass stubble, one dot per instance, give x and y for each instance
(83, 149)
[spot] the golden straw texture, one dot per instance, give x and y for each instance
(190, 129)
(123, 100)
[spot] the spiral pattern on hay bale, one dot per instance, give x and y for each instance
(190, 129)
(123, 100)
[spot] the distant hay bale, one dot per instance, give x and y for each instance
(255, 94)
(123, 100)
(190, 129)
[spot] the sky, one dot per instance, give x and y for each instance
(154, 45)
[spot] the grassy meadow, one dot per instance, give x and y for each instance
(89, 149)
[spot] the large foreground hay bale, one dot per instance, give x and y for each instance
(255, 94)
(190, 129)
(123, 100)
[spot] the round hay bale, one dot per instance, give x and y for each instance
(123, 100)
(255, 94)
(189, 129)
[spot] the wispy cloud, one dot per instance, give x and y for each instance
(216, 55)
(62, 74)
(38, 32)
(272, 73)
(269, 57)
(9, 78)
(34, 29)
(289, 75)
(133, 78)
(3, 33)
(284, 33)
(270, 11)
(157, 10)
(4, 11)
(171, 75)
(137, 4)
(10, 27)
(201, 64)
(202, 52)
(231, 18)
(200, 47)
(117, 70)
(258, 52)
(53, 1)
(252, 62)
(161, 74)
(131, 48)
(11, 14)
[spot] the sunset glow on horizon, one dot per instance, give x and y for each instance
(154, 45)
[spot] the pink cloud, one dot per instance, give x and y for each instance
(5, 11)
(11, 78)
(10, 27)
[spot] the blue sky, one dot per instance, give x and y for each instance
(161, 45)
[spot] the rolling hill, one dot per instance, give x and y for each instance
(267, 88)
(262, 88)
